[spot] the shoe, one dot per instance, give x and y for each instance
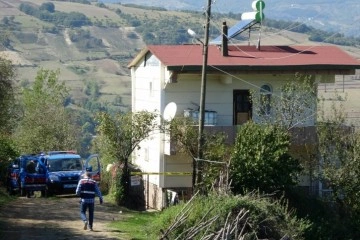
(90, 228)
(85, 225)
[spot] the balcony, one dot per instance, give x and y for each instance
(299, 136)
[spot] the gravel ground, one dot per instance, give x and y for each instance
(39, 218)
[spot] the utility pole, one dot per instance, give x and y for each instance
(199, 163)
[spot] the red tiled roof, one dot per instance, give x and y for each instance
(250, 58)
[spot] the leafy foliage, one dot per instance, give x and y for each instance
(7, 97)
(46, 124)
(48, 6)
(83, 39)
(339, 147)
(8, 151)
(261, 161)
(8, 114)
(328, 221)
(117, 138)
(92, 89)
(292, 105)
(215, 151)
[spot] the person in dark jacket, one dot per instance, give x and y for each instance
(87, 189)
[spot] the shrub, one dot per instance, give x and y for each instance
(261, 159)
(261, 218)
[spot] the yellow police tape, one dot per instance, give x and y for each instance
(162, 173)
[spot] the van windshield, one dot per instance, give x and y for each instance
(65, 164)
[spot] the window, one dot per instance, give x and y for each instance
(265, 99)
(65, 164)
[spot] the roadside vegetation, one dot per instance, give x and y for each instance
(4, 196)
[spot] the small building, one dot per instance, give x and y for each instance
(167, 79)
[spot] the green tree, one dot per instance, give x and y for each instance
(48, 6)
(92, 89)
(7, 99)
(215, 152)
(292, 105)
(46, 124)
(117, 138)
(261, 159)
(8, 151)
(8, 113)
(339, 159)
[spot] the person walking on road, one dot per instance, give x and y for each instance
(87, 189)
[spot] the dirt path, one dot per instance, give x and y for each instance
(54, 218)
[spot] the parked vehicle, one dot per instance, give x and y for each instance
(64, 169)
(26, 175)
(12, 177)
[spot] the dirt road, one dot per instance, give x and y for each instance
(54, 218)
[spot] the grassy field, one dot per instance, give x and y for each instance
(134, 225)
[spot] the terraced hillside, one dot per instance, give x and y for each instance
(101, 51)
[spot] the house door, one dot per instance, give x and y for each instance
(242, 106)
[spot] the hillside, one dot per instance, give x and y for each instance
(328, 15)
(100, 52)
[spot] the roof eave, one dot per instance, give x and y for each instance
(138, 57)
(331, 69)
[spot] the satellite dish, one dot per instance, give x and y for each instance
(170, 111)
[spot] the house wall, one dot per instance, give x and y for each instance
(148, 82)
(146, 95)
(219, 92)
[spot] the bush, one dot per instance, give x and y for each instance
(8, 151)
(261, 160)
(262, 218)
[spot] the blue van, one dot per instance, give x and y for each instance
(64, 169)
(27, 174)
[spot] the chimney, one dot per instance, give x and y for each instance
(224, 42)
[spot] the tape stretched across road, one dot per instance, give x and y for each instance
(163, 173)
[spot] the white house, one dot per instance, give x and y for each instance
(166, 79)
